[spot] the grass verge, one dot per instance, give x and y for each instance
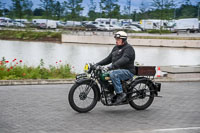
(166, 38)
(30, 35)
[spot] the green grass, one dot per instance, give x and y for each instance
(15, 70)
(30, 35)
(166, 38)
(150, 31)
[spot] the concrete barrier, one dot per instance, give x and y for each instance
(182, 72)
(93, 39)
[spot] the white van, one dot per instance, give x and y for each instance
(188, 24)
(51, 24)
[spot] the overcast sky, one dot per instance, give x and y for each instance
(135, 4)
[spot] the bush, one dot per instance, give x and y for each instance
(15, 70)
(29, 35)
(159, 31)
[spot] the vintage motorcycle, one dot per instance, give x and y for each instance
(95, 85)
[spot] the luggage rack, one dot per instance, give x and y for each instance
(145, 71)
(148, 72)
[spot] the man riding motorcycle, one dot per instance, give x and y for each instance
(122, 59)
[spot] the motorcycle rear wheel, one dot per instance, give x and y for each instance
(144, 95)
(78, 93)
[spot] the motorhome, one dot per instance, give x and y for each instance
(22, 20)
(109, 23)
(150, 24)
(39, 21)
(125, 21)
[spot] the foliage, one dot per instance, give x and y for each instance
(16, 70)
(166, 37)
(48, 7)
(21, 8)
(58, 9)
(159, 31)
(38, 12)
(72, 10)
(30, 35)
(110, 8)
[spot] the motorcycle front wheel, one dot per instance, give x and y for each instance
(143, 95)
(83, 97)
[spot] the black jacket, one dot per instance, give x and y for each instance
(121, 57)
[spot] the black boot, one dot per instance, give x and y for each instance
(120, 98)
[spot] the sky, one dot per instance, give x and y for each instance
(135, 4)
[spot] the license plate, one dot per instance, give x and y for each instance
(158, 87)
(81, 76)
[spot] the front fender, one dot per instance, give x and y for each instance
(94, 84)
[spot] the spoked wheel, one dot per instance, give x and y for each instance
(143, 95)
(83, 97)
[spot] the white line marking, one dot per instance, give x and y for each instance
(176, 129)
(161, 130)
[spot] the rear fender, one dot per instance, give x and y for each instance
(94, 84)
(155, 86)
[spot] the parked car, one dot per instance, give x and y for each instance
(102, 27)
(42, 26)
(2, 24)
(91, 27)
(131, 27)
(18, 24)
(60, 24)
(114, 27)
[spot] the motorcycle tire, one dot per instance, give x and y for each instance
(71, 97)
(144, 95)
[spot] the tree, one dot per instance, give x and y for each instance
(164, 7)
(73, 9)
(143, 8)
(115, 13)
(110, 8)
(58, 10)
(48, 7)
(188, 2)
(187, 11)
(198, 6)
(1, 10)
(38, 12)
(127, 10)
(143, 11)
(92, 7)
(21, 8)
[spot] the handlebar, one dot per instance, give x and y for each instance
(97, 67)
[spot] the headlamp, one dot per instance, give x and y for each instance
(86, 68)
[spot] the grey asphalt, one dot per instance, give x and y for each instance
(45, 109)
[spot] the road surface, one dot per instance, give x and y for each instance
(45, 109)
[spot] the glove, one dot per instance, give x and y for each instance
(95, 66)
